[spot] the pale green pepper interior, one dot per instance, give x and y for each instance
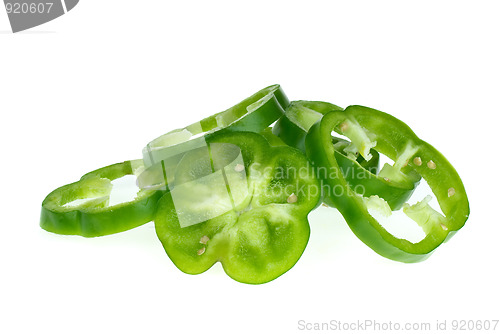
(421, 213)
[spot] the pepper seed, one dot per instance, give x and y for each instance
(431, 164)
(239, 168)
(201, 251)
(444, 227)
(387, 179)
(292, 198)
(204, 239)
(344, 126)
(417, 161)
(451, 192)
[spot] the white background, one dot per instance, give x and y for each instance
(94, 86)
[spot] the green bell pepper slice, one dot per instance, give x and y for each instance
(367, 180)
(254, 114)
(91, 215)
(360, 170)
(241, 202)
(271, 138)
(370, 128)
(299, 116)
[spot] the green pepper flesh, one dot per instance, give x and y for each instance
(258, 240)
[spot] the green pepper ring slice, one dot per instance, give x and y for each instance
(299, 116)
(255, 243)
(394, 139)
(94, 217)
(254, 114)
(361, 174)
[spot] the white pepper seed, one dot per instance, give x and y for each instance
(292, 198)
(344, 126)
(204, 239)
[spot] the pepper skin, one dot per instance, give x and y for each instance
(264, 229)
(411, 154)
(95, 217)
(254, 114)
(359, 171)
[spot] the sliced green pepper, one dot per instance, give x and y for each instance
(93, 216)
(366, 180)
(254, 114)
(272, 139)
(360, 170)
(370, 128)
(240, 202)
(298, 119)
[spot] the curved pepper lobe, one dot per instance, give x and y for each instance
(258, 240)
(414, 158)
(83, 208)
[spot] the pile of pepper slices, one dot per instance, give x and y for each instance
(233, 189)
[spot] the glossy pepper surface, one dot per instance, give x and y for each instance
(360, 170)
(93, 216)
(254, 114)
(369, 128)
(240, 202)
